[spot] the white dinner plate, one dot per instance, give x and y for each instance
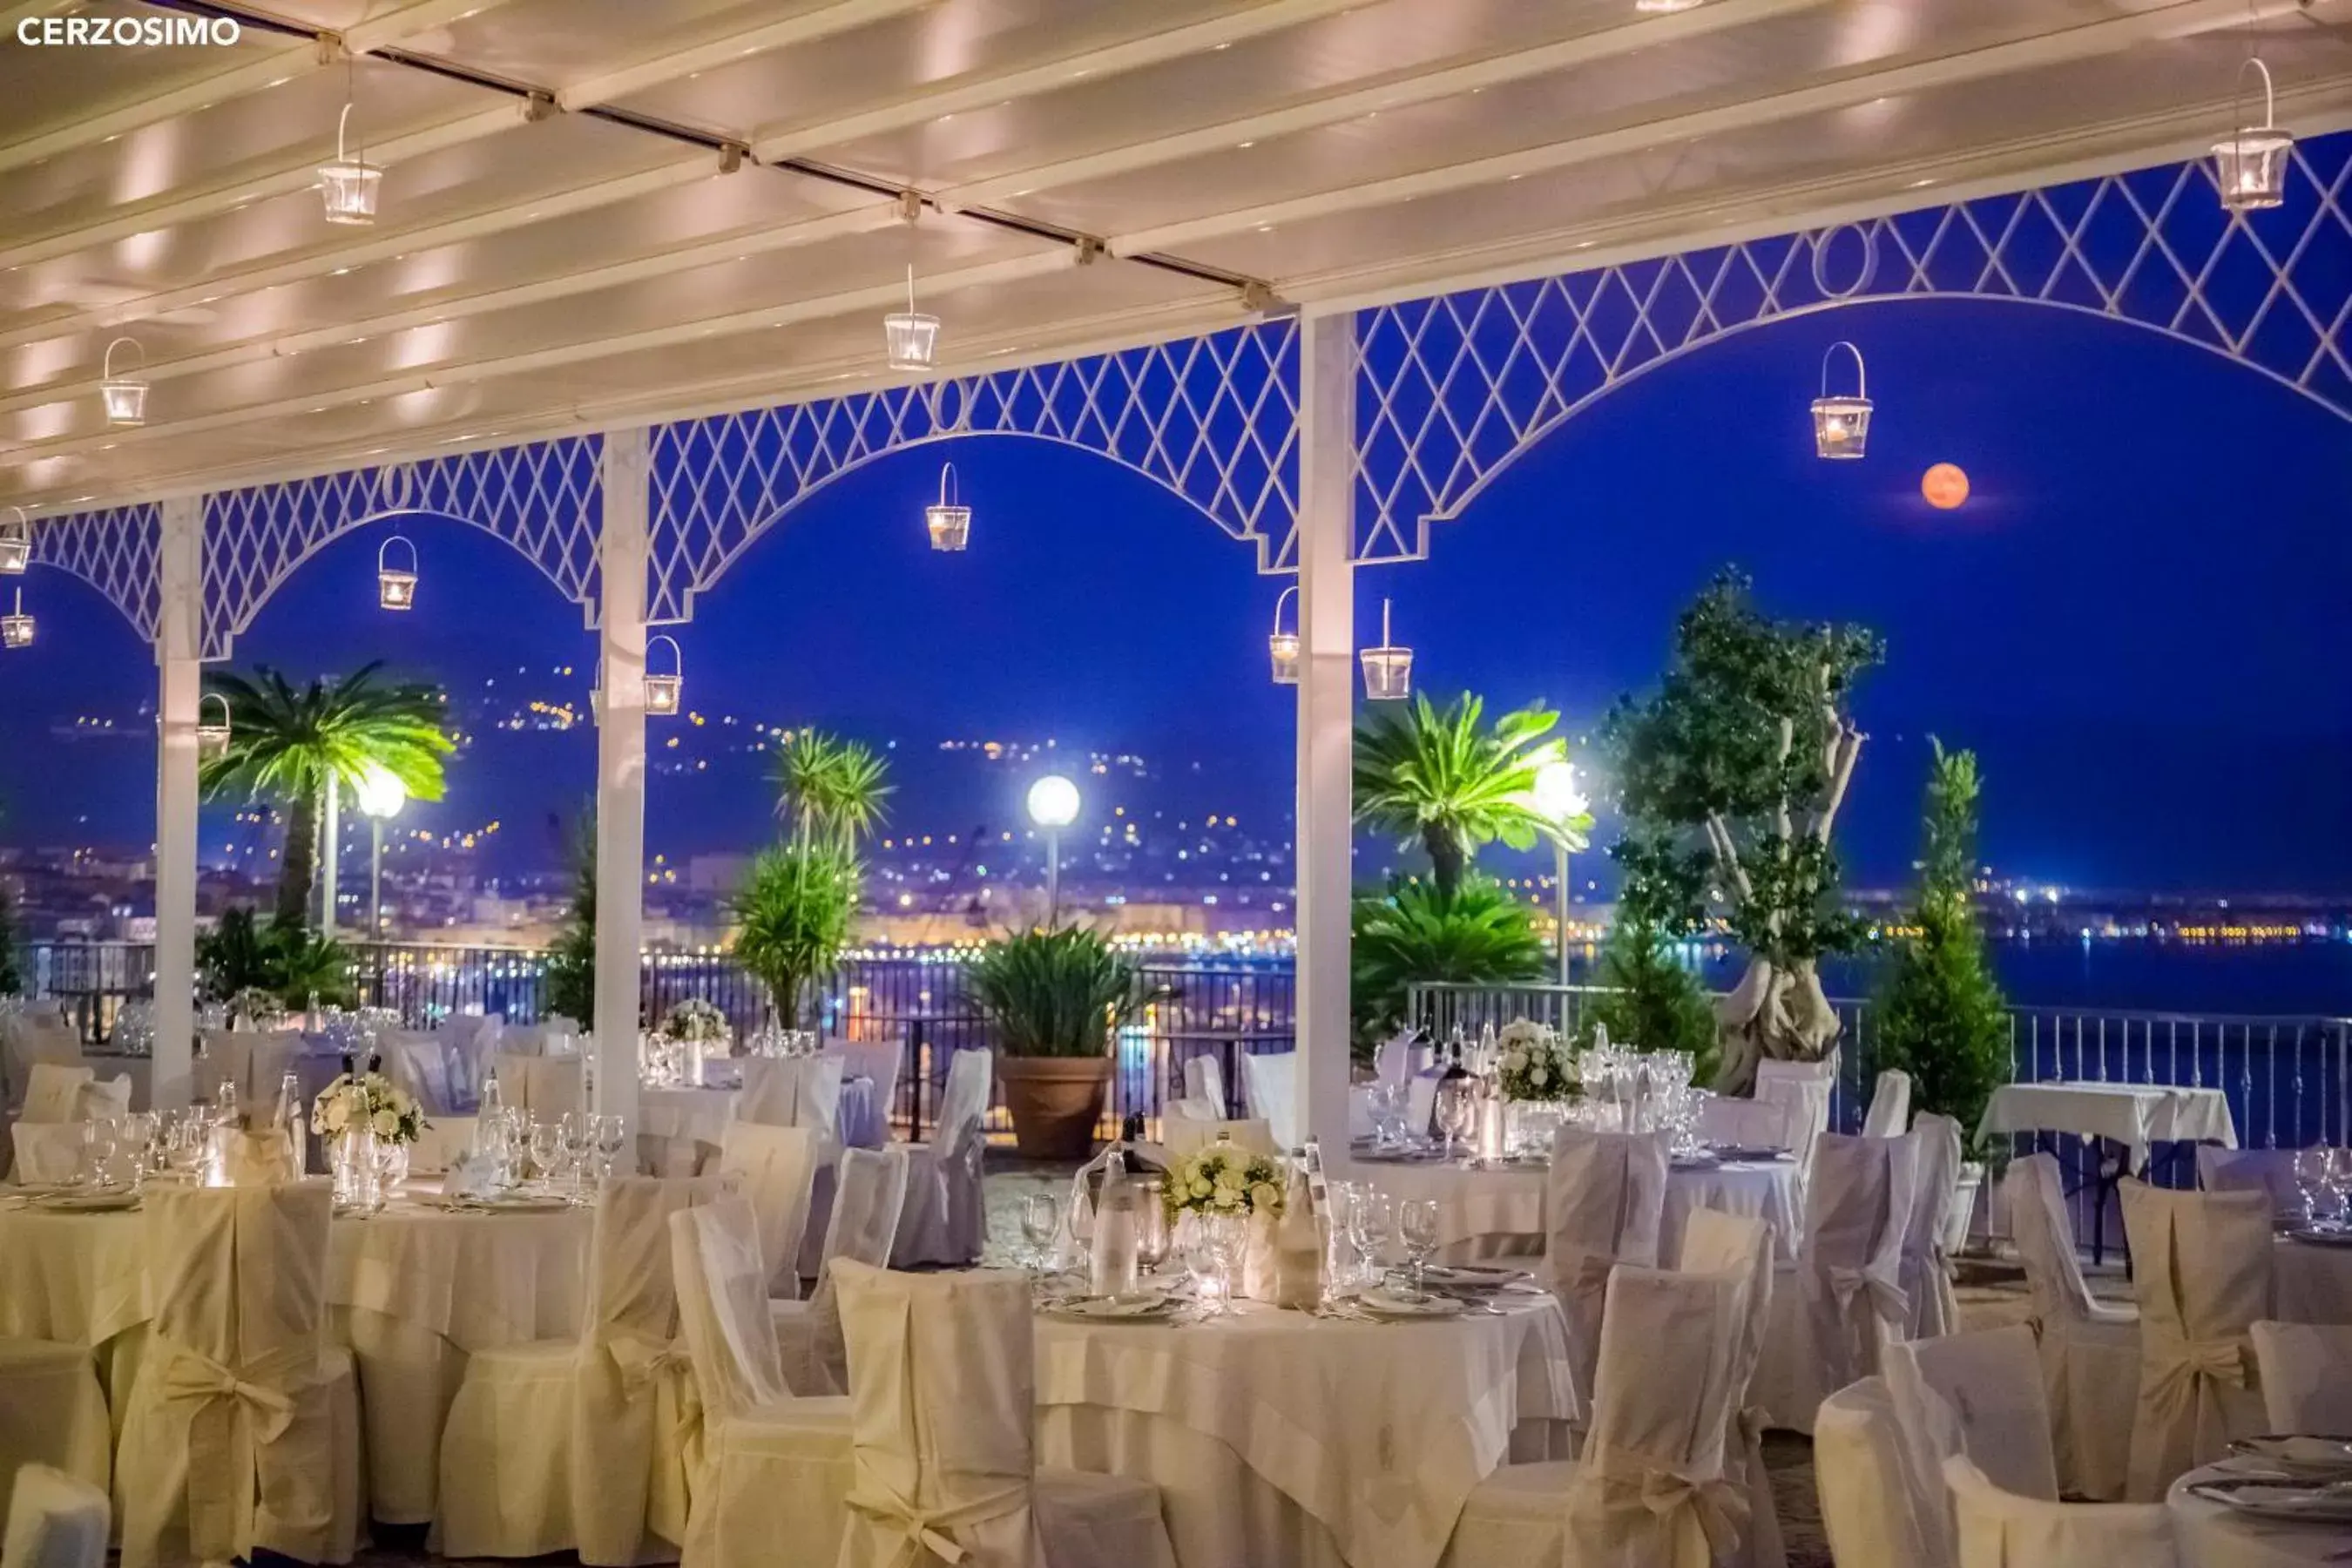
(2283, 1499)
(2321, 1235)
(529, 1204)
(1385, 1304)
(1741, 1155)
(1477, 1276)
(87, 1203)
(2315, 1458)
(1142, 1307)
(1697, 1161)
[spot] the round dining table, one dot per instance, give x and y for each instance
(412, 1290)
(2311, 1281)
(1487, 1214)
(1282, 1436)
(2208, 1534)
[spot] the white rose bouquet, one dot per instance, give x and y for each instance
(1219, 1178)
(1534, 1064)
(372, 1100)
(696, 1021)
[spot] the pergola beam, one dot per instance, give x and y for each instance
(1844, 90)
(1403, 92)
(801, 27)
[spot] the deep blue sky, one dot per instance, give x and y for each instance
(2136, 619)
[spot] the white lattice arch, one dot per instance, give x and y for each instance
(115, 552)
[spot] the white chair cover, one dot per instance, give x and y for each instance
(1849, 1298)
(942, 1405)
(1204, 1082)
(1736, 1124)
(883, 1061)
(2090, 1353)
(419, 1062)
(1270, 1088)
(2270, 1170)
(945, 1221)
(1714, 1242)
(1977, 1395)
(793, 1092)
(28, 1038)
(242, 1428)
(1927, 1265)
(257, 1063)
(472, 1042)
(2001, 1529)
(776, 1167)
(53, 1091)
(103, 1099)
(1398, 1058)
(2305, 1373)
(555, 1037)
(54, 1521)
(47, 1153)
(2202, 1269)
(1858, 1466)
(865, 1224)
(547, 1086)
(1802, 1090)
(1604, 1201)
(53, 1414)
(1889, 1115)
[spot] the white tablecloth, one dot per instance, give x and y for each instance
(686, 1116)
(2312, 1284)
(1497, 1214)
(2133, 1114)
(1279, 1437)
(2208, 1535)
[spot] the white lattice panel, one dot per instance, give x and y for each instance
(541, 498)
(1454, 389)
(1212, 418)
(114, 552)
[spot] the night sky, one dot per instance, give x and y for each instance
(2135, 618)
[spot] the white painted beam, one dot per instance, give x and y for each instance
(1324, 826)
(179, 645)
(804, 27)
(957, 94)
(623, 544)
(1843, 91)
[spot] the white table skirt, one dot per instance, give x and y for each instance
(1369, 1436)
(1496, 1214)
(677, 1119)
(2312, 1284)
(2133, 1114)
(2208, 1535)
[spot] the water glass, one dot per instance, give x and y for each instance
(1228, 1238)
(546, 1139)
(98, 1142)
(611, 1141)
(1370, 1218)
(1041, 1223)
(1458, 1110)
(1416, 1221)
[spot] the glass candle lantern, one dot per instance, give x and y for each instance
(1842, 420)
(395, 589)
(212, 735)
(1388, 669)
(948, 522)
(16, 629)
(349, 184)
(124, 397)
(665, 691)
(1282, 647)
(16, 543)
(2249, 165)
(911, 337)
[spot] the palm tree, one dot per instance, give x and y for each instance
(830, 786)
(294, 744)
(1438, 777)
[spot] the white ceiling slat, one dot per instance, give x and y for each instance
(806, 27)
(1399, 93)
(400, 26)
(957, 94)
(1844, 91)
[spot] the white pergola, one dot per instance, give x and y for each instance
(1321, 267)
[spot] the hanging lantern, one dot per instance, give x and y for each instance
(395, 589)
(1841, 424)
(349, 183)
(1282, 647)
(2250, 163)
(663, 693)
(1388, 669)
(949, 523)
(211, 739)
(16, 543)
(124, 396)
(16, 630)
(912, 338)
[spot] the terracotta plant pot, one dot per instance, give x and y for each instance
(1054, 1103)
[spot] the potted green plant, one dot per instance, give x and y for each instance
(1054, 998)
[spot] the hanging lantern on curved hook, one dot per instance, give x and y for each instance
(212, 738)
(123, 397)
(948, 523)
(395, 589)
(1842, 421)
(16, 630)
(2250, 163)
(911, 337)
(1282, 647)
(16, 543)
(349, 184)
(1388, 669)
(664, 692)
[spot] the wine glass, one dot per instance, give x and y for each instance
(577, 1134)
(1416, 1222)
(98, 1140)
(1041, 1222)
(1458, 1110)
(546, 1139)
(2310, 1179)
(1152, 1240)
(1370, 1217)
(2340, 1182)
(1227, 1234)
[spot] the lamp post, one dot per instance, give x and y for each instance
(1052, 805)
(381, 796)
(1559, 802)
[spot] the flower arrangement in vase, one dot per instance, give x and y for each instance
(1533, 1064)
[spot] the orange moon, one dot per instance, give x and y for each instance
(1946, 486)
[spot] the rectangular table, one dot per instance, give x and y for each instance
(2134, 1116)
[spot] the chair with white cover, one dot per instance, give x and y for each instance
(418, 1060)
(1731, 1122)
(1714, 1242)
(1889, 1115)
(242, 1428)
(945, 1220)
(944, 1404)
(2090, 1352)
(764, 1467)
(865, 1223)
(1204, 1083)
(2001, 1530)
(53, 1414)
(546, 1087)
(28, 1038)
(1858, 1467)
(1651, 1487)
(53, 1092)
(553, 1036)
(1848, 1300)
(881, 1062)
(54, 1521)
(1270, 1087)
(2202, 1269)
(1975, 1396)
(2305, 1373)
(776, 1169)
(1604, 1202)
(793, 1092)
(2270, 1170)
(1926, 1265)
(256, 1062)
(471, 1041)
(1802, 1089)
(45, 1154)
(576, 1445)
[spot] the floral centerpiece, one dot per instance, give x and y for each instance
(1534, 1064)
(1220, 1178)
(696, 1021)
(260, 1006)
(368, 1101)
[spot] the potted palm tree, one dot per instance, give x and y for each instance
(798, 906)
(1054, 998)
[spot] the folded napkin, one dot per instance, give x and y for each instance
(470, 1175)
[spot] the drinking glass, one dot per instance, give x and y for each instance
(2311, 1180)
(1228, 1236)
(1458, 1110)
(1041, 1222)
(1370, 1218)
(1152, 1240)
(2340, 1182)
(612, 1140)
(143, 1135)
(546, 1138)
(577, 1133)
(98, 1140)
(1416, 1220)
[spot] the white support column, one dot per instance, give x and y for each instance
(179, 645)
(1327, 689)
(622, 545)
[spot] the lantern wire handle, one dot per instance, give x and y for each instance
(23, 525)
(910, 289)
(677, 659)
(226, 714)
(1861, 375)
(106, 366)
(2270, 93)
(385, 548)
(1287, 596)
(947, 484)
(1384, 624)
(342, 124)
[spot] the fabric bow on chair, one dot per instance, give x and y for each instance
(2196, 1362)
(227, 1418)
(1630, 1480)
(925, 1530)
(1888, 1300)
